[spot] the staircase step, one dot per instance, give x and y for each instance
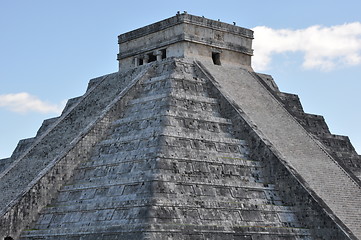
(168, 96)
(123, 230)
(149, 115)
(172, 134)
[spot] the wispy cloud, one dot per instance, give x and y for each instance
(324, 48)
(25, 103)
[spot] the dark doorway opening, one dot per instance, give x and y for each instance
(141, 61)
(164, 53)
(216, 57)
(152, 57)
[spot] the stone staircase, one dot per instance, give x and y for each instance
(322, 175)
(339, 147)
(170, 168)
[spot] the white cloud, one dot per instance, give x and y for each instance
(324, 48)
(24, 103)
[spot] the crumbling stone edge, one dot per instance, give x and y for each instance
(24, 210)
(38, 140)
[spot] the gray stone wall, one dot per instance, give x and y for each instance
(176, 149)
(185, 35)
(180, 162)
(30, 182)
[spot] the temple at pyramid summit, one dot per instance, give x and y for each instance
(184, 141)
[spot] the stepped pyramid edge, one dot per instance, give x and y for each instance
(185, 141)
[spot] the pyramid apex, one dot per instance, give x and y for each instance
(186, 36)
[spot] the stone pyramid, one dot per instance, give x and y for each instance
(185, 141)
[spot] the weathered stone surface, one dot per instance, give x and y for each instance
(172, 166)
(25, 187)
(182, 149)
(185, 36)
(4, 163)
(339, 147)
(303, 154)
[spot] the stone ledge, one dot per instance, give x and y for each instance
(184, 18)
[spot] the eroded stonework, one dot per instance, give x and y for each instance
(186, 36)
(189, 146)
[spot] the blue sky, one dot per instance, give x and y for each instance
(50, 49)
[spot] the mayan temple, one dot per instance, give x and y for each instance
(185, 141)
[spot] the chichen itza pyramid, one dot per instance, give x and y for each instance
(185, 141)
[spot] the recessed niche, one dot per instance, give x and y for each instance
(216, 57)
